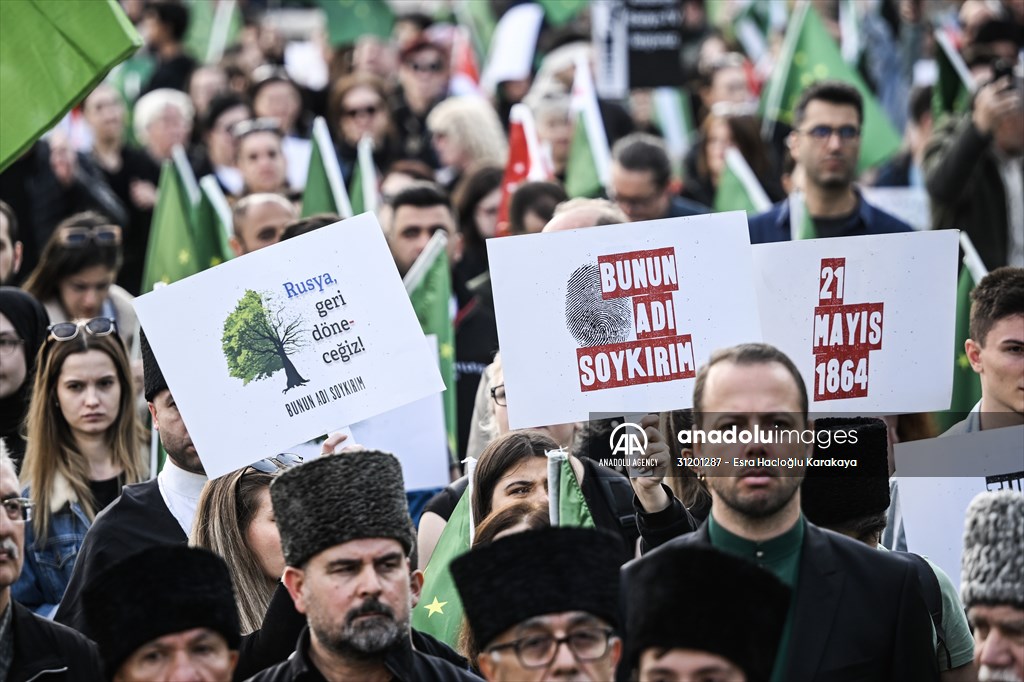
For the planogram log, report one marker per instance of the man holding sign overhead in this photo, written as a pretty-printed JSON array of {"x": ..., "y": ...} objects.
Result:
[{"x": 825, "y": 142}]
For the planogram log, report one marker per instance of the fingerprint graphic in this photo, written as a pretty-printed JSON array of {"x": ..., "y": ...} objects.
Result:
[{"x": 594, "y": 321}]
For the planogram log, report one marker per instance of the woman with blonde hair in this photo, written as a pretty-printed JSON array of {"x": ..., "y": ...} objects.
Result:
[
  {"x": 83, "y": 447},
  {"x": 466, "y": 132},
  {"x": 235, "y": 519}
]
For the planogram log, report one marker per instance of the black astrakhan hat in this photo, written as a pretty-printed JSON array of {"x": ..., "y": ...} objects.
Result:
[
  {"x": 693, "y": 597},
  {"x": 337, "y": 498},
  {"x": 158, "y": 591},
  {"x": 831, "y": 495},
  {"x": 538, "y": 572},
  {"x": 153, "y": 378}
]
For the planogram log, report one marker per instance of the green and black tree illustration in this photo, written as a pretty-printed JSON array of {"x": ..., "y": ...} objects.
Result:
[{"x": 257, "y": 341}]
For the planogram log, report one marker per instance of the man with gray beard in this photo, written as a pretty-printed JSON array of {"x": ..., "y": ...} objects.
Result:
[
  {"x": 347, "y": 539},
  {"x": 30, "y": 646}
]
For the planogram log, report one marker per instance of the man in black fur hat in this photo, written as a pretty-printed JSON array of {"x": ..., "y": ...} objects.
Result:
[
  {"x": 166, "y": 613},
  {"x": 543, "y": 604},
  {"x": 157, "y": 512},
  {"x": 347, "y": 538},
  {"x": 732, "y": 624}
]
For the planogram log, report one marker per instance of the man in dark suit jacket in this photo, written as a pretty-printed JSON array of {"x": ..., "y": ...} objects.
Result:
[
  {"x": 825, "y": 143},
  {"x": 856, "y": 613}
]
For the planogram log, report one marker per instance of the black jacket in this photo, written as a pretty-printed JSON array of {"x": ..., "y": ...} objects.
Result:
[
  {"x": 44, "y": 650},
  {"x": 858, "y": 615},
  {"x": 404, "y": 663},
  {"x": 138, "y": 519}
]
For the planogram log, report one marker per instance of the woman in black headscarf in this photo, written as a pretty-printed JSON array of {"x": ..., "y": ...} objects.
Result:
[{"x": 23, "y": 324}]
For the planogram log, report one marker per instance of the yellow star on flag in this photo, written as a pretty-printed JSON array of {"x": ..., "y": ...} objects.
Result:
[
  {"x": 435, "y": 607},
  {"x": 446, "y": 351},
  {"x": 962, "y": 361},
  {"x": 183, "y": 256}
]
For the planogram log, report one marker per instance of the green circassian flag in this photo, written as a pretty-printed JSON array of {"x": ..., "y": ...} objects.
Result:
[
  {"x": 213, "y": 26},
  {"x": 429, "y": 285},
  {"x": 810, "y": 54},
  {"x": 53, "y": 53},
  {"x": 966, "y": 382},
  {"x": 588, "y": 168},
  {"x": 952, "y": 90},
  {"x": 363, "y": 192},
  {"x": 325, "y": 188},
  {"x": 348, "y": 20},
  {"x": 191, "y": 221},
  {"x": 738, "y": 187},
  {"x": 439, "y": 612},
  {"x": 171, "y": 252}
]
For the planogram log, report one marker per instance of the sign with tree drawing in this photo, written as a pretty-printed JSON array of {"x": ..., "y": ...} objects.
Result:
[{"x": 288, "y": 343}]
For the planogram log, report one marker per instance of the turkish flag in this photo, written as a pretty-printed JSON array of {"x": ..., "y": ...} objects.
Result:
[{"x": 525, "y": 160}]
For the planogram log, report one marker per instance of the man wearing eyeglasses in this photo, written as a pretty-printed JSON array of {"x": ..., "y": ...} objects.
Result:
[
  {"x": 825, "y": 143},
  {"x": 542, "y": 604},
  {"x": 640, "y": 181},
  {"x": 32, "y": 647}
]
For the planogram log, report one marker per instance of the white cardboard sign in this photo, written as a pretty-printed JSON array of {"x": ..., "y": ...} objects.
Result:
[
  {"x": 618, "y": 318},
  {"x": 868, "y": 321},
  {"x": 289, "y": 342},
  {"x": 939, "y": 477}
]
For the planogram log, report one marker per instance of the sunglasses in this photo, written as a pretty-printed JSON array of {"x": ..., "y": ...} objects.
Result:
[
  {"x": 427, "y": 67},
  {"x": 255, "y": 125},
  {"x": 271, "y": 465},
  {"x": 97, "y": 326},
  {"x": 370, "y": 111},
  {"x": 104, "y": 235}
]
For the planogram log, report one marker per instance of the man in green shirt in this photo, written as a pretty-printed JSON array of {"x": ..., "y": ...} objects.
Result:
[{"x": 856, "y": 613}]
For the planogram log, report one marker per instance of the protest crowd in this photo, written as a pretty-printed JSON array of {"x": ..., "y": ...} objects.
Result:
[{"x": 492, "y": 141}]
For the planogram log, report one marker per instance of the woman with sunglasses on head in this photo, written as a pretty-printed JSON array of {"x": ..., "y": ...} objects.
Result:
[
  {"x": 234, "y": 518},
  {"x": 76, "y": 272},
  {"x": 83, "y": 447}
]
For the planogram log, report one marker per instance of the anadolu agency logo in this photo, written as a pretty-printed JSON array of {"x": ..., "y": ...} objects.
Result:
[{"x": 628, "y": 440}]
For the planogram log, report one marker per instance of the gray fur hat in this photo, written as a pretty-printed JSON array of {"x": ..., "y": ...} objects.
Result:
[
  {"x": 337, "y": 498},
  {"x": 992, "y": 564}
]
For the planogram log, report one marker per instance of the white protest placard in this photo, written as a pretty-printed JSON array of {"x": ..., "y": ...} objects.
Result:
[
  {"x": 618, "y": 318},
  {"x": 415, "y": 434},
  {"x": 938, "y": 478},
  {"x": 912, "y": 205},
  {"x": 867, "y": 320},
  {"x": 289, "y": 342}
]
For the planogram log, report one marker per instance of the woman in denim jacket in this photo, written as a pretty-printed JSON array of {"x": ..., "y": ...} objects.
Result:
[{"x": 83, "y": 446}]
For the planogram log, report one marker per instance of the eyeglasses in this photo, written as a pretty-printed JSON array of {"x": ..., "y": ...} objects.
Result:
[
  {"x": 18, "y": 508},
  {"x": 97, "y": 326},
  {"x": 823, "y": 133},
  {"x": 271, "y": 465},
  {"x": 538, "y": 651},
  {"x": 370, "y": 111},
  {"x": 255, "y": 125},
  {"x": 9, "y": 345},
  {"x": 427, "y": 67},
  {"x": 104, "y": 235},
  {"x": 498, "y": 395}
]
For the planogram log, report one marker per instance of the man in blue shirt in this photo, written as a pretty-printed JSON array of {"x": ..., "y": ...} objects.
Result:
[{"x": 825, "y": 143}]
